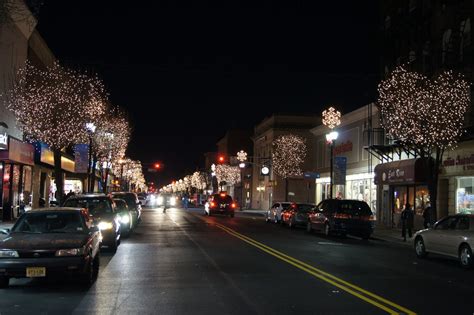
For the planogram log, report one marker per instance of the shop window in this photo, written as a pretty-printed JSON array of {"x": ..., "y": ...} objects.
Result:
[
  {"x": 465, "y": 195},
  {"x": 422, "y": 199},
  {"x": 399, "y": 198}
]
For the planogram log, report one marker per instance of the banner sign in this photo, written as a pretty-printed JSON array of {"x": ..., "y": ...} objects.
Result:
[
  {"x": 340, "y": 168},
  {"x": 81, "y": 158}
]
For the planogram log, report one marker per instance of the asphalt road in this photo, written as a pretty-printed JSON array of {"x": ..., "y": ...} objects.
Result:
[{"x": 182, "y": 262}]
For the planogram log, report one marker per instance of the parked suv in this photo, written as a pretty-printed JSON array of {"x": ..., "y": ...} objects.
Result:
[
  {"x": 104, "y": 215},
  {"x": 220, "y": 203},
  {"x": 342, "y": 217},
  {"x": 274, "y": 214}
]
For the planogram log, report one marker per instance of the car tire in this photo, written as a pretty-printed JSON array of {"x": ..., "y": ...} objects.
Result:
[
  {"x": 232, "y": 215},
  {"x": 309, "y": 229},
  {"x": 327, "y": 229},
  {"x": 465, "y": 256},
  {"x": 267, "y": 219},
  {"x": 275, "y": 220},
  {"x": 4, "y": 282},
  {"x": 420, "y": 249},
  {"x": 92, "y": 272}
]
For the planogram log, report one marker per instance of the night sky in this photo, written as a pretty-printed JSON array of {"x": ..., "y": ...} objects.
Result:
[{"x": 188, "y": 72}]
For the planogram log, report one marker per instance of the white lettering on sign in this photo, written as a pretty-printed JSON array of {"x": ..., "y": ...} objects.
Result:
[{"x": 4, "y": 138}]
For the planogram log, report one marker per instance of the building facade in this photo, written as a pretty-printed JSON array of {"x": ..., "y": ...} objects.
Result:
[{"x": 270, "y": 188}]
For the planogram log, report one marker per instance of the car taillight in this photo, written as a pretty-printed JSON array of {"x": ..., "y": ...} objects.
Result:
[
  {"x": 233, "y": 205},
  {"x": 213, "y": 204},
  {"x": 342, "y": 216}
]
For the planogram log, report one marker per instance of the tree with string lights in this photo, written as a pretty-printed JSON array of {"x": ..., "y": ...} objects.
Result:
[
  {"x": 227, "y": 174},
  {"x": 425, "y": 115},
  {"x": 288, "y": 156},
  {"x": 53, "y": 105}
]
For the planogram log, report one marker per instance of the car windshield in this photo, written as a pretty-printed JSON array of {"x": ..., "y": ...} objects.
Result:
[
  {"x": 130, "y": 199},
  {"x": 354, "y": 207},
  {"x": 50, "y": 222},
  {"x": 95, "y": 205}
]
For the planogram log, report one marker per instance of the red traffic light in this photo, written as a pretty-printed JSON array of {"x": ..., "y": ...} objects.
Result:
[
  {"x": 221, "y": 159},
  {"x": 157, "y": 165}
]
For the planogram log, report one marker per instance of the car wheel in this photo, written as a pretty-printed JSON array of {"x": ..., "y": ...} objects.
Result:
[
  {"x": 92, "y": 272},
  {"x": 4, "y": 282},
  {"x": 267, "y": 219},
  {"x": 309, "y": 229},
  {"x": 275, "y": 220},
  {"x": 420, "y": 248},
  {"x": 232, "y": 215},
  {"x": 465, "y": 256},
  {"x": 327, "y": 229}
]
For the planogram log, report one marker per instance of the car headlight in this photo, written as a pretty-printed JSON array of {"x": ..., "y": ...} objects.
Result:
[
  {"x": 105, "y": 226},
  {"x": 125, "y": 219},
  {"x": 172, "y": 201},
  {"x": 9, "y": 254},
  {"x": 70, "y": 252}
]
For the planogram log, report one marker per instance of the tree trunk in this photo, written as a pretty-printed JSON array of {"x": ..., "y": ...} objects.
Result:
[
  {"x": 433, "y": 183},
  {"x": 58, "y": 177},
  {"x": 92, "y": 182},
  {"x": 286, "y": 189},
  {"x": 106, "y": 180}
]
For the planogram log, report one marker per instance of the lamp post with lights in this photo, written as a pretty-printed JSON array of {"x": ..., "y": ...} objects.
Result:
[
  {"x": 242, "y": 157},
  {"x": 90, "y": 127},
  {"x": 331, "y": 119}
]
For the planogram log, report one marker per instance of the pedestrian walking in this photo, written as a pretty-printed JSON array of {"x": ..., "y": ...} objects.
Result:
[
  {"x": 408, "y": 218},
  {"x": 427, "y": 217}
]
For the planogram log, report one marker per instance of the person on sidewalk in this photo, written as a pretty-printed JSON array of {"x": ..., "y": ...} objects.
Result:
[
  {"x": 408, "y": 218},
  {"x": 427, "y": 216}
]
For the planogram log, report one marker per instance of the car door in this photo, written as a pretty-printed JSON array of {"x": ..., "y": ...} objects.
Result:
[
  {"x": 318, "y": 218},
  {"x": 443, "y": 235}
]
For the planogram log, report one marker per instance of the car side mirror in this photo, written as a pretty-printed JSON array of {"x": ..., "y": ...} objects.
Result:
[{"x": 5, "y": 231}]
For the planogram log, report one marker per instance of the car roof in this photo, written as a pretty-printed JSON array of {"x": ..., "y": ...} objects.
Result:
[
  {"x": 90, "y": 195},
  {"x": 56, "y": 209}
]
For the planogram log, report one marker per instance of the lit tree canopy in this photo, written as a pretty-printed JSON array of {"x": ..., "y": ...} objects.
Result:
[
  {"x": 424, "y": 112},
  {"x": 53, "y": 105},
  {"x": 289, "y": 153},
  {"x": 198, "y": 180},
  {"x": 228, "y": 174}
]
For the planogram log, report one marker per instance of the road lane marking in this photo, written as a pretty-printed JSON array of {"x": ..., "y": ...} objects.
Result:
[{"x": 350, "y": 288}]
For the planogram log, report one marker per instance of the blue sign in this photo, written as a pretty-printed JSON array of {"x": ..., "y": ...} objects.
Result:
[
  {"x": 311, "y": 175},
  {"x": 81, "y": 157},
  {"x": 340, "y": 168}
]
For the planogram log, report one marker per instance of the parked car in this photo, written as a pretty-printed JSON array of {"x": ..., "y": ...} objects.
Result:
[
  {"x": 134, "y": 205},
  {"x": 104, "y": 214},
  {"x": 342, "y": 216},
  {"x": 50, "y": 242},
  {"x": 126, "y": 216},
  {"x": 274, "y": 214},
  {"x": 452, "y": 236},
  {"x": 221, "y": 203},
  {"x": 296, "y": 214}
]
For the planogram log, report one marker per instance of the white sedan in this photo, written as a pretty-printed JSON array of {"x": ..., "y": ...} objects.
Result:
[{"x": 452, "y": 236}]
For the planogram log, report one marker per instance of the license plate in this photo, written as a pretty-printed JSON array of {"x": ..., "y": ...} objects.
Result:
[{"x": 35, "y": 272}]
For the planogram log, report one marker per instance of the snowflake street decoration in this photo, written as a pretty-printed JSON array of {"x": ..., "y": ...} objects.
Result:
[
  {"x": 331, "y": 117},
  {"x": 289, "y": 152},
  {"x": 242, "y": 156}
]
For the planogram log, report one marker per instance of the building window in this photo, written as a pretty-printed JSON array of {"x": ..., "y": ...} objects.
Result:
[{"x": 465, "y": 195}]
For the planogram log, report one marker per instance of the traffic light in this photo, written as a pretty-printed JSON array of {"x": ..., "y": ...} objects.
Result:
[
  {"x": 157, "y": 166},
  {"x": 221, "y": 159}
]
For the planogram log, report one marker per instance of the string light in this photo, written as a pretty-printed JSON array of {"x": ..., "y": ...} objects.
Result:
[
  {"x": 422, "y": 112},
  {"x": 289, "y": 152},
  {"x": 228, "y": 174},
  {"x": 331, "y": 117},
  {"x": 53, "y": 105},
  {"x": 198, "y": 181}
]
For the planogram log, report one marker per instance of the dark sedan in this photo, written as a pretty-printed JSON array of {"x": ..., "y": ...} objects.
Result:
[
  {"x": 50, "y": 242},
  {"x": 296, "y": 214}
]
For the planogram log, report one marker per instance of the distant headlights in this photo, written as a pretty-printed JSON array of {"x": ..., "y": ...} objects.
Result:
[
  {"x": 172, "y": 201},
  {"x": 159, "y": 200},
  {"x": 105, "y": 226},
  {"x": 70, "y": 252},
  {"x": 9, "y": 254}
]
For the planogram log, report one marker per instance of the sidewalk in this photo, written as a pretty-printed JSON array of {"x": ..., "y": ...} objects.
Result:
[{"x": 391, "y": 235}]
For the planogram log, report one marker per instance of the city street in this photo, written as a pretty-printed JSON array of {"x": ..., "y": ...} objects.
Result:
[{"x": 183, "y": 262}]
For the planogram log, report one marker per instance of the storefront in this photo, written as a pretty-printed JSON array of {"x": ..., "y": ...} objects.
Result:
[
  {"x": 16, "y": 169},
  {"x": 401, "y": 182}
]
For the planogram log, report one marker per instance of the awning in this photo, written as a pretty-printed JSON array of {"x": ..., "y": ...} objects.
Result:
[{"x": 410, "y": 171}]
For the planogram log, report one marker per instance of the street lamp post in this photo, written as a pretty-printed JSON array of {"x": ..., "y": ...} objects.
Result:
[
  {"x": 242, "y": 157},
  {"x": 90, "y": 127},
  {"x": 331, "y": 119}
]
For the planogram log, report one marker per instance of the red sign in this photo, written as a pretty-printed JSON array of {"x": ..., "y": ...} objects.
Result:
[
  {"x": 19, "y": 152},
  {"x": 343, "y": 148}
]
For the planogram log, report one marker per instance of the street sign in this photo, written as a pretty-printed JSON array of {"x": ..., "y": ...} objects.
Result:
[
  {"x": 340, "y": 168},
  {"x": 311, "y": 175}
]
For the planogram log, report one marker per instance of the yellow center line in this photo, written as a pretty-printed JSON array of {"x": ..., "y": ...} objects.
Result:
[{"x": 350, "y": 288}]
